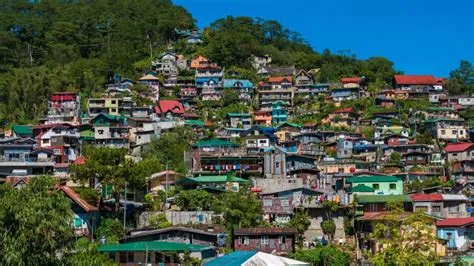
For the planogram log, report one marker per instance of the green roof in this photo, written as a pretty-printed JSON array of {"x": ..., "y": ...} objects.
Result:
[
  {"x": 383, "y": 198},
  {"x": 238, "y": 114},
  {"x": 441, "y": 119},
  {"x": 440, "y": 109},
  {"x": 372, "y": 179},
  {"x": 290, "y": 124},
  {"x": 211, "y": 179},
  {"x": 215, "y": 143},
  {"x": 152, "y": 246},
  {"x": 23, "y": 129},
  {"x": 199, "y": 123},
  {"x": 361, "y": 188}
]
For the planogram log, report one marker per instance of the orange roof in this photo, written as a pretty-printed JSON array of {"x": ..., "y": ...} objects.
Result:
[
  {"x": 458, "y": 147},
  {"x": 279, "y": 79},
  {"x": 80, "y": 161},
  {"x": 350, "y": 80}
]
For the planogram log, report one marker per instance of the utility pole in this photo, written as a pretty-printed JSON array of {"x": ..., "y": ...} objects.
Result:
[
  {"x": 166, "y": 184},
  {"x": 124, "y": 206}
]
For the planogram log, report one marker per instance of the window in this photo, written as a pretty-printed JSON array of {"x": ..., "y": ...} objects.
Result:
[
  {"x": 126, "y": 257},
  {"x": 112, "y": 256},
  {"x": 45, "y": 141},
  {"x": 244, "y": 240},
  {"x": 114, "y": 110},
  {"x": 101, "y": 131},
  {"x": 277, "y": 164},
  {"x": 455, "y": 132},
  {"x": 454, "y": 208},
  {"x": 455, "y": 154},
  {"x": 375, "y": 186},
  {"x": 114, "y": 102},
  {"x": 264, "y": 240},
  {"x": 393, "y": 186},
  {"x": 282, "y": 239},
  {"x": 267, "y": 202},
  {"x": 436, "y": 209},
  {"x": 422, "y": 208},
  {"x": 284, "y": 202},
  {"x": 443, "y": 132}
]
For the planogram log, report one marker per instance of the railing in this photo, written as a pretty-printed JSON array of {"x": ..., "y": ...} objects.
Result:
[
  {"x": 25, "y": 161},
  {"x": 210, "y": 74}
]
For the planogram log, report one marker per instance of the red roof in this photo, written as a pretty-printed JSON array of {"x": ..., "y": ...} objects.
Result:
[
  {"x": 344, "y": 110},
  {"x": 350, "y": 80},
  {"x": 458, "y": 147},
  {"x": 77, "y": 199},
  {"x": 173, "y": 106},
  {"x": 261, "y": 113},
  {"x": 455, "y": 222},
  {"x": 279, "y": 79},
  {"x": 63, "y": 96},
  {"x": 427, "y": 197},
  {"x": 440, "y": 80},
  {"x": 415, "y": 79}
]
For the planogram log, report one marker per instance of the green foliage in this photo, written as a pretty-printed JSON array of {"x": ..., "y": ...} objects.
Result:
[
  {"x": 323, "y": 256},
  {"x": 418, "y": 185},
  {"x": 461, "y": 80},
  {"x": 110, "y": 166},
  {"x": 195, "y": 200},
  {"x": 229, "y": 97},
  {"x": 111, "y": 228},
  {"x": 301, "y": 223},
  {"x": 240, "y": 210},
  {"x": 86, "y": 253},
  {"x": 233, "y": 107},
  {"x": 34, "y": 223},
  {"x": 159, "y": 221},
  {"x": 408, "y": 241},
  {"x": 329, "y": 228},
  {"x": 395, "y": 158},
  {"x": 49, "y": 46},
  {"x": 180, "y": 139},
  {"x": 88, "y": 194}
]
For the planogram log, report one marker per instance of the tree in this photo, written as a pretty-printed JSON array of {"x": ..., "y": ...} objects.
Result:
[
  {"x": 395, "y": 158},
  {"x": 85, "y": 253},
  {"x": 159, "y": 221},
  {"x": 327, "y": 225},
  {"x": 301, "y": 223},
  {"x": 34, "y": 223},
  {"x": 406, "y": 240},
  {"x": 461, "y": 80},
  {"x": 111, "y": 229},
  {"x": 323, "y": 256},
  {"x": 240, "y": 210},
  {"x": 229, "y": 97},
  {"x": 195, "y": 200}
]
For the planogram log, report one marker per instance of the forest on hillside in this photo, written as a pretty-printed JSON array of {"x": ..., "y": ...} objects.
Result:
[{"x": 49, "y": 46}]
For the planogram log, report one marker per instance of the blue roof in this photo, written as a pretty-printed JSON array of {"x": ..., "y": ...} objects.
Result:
[
  {"x": 340, "y": 93},
  {"x": 235, "y": 258},
  {"x": 231, "y": 83}
]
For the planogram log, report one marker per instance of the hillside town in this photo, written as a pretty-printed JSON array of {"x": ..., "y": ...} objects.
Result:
[
  {"x": 131, "y": 136},
  {"x": 356, "y": 160}
]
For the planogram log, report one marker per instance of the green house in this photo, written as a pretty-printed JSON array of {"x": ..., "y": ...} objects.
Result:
[{"x": 376, "y": 185}]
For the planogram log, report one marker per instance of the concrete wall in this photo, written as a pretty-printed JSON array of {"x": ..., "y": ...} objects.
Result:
[
  {"x": 181, "y": 217},
  {"x": 317, "y": 216}
]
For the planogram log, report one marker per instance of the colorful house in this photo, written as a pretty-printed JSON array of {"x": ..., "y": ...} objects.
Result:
[
  {"x": 63, "y": 107},
  {"x": 276, "y": 240},
  {"x": 381, "y": 185},
  {"x": 446, "y": 129},
  {"x": 263, "y": 118},
  {"x": 240, "y": 120},
  {"x": 209, "y": 82},
  {"x": 275, "y": 89},
  {"x": 243, "y": 87},
  {"x": 153, "y": 83},
  {"x": 199, "y": 61},
  {"x": 86, "y": 216},
  {"x": 458, "y": 232},
  {"x": 169, "y": 109},
  {"x": 279, "y": 112},
  {"x": 459, "y": 151},
  {"x": 110, "y": 131}
]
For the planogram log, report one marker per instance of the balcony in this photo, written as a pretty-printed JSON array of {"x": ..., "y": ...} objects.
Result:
[
  {"x": 209, "y": 74},
  {"x": 32, "y": 161}
]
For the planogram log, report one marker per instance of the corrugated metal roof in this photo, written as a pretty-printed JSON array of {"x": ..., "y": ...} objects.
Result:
[
  {"x": 361, "y": 188},
  {"x": 235, "y": 258},
  {"x": 372, "y": 179},
  {"x": 152, "y": 246},
  {"x": 456, "y": 197}
]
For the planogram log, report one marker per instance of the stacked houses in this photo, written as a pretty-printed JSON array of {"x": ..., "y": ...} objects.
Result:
[{"x": 290, "y": 166}]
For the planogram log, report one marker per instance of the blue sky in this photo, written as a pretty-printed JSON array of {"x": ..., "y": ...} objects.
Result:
[{"x": 420, "y": 37}]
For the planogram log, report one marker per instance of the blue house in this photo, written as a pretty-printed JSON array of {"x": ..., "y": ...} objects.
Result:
[
  {"x": 243, "y": 87},
  {"x": 86, "y": 216},
  {"x": 279, "y": 112},
  {"x": 458, "y": 232}
]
